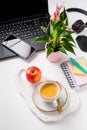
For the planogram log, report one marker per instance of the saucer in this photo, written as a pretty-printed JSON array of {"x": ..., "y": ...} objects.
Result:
[{"x": 49, "y": 107}]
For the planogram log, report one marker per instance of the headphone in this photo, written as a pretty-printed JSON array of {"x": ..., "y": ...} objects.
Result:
[{"x": 79, "y": 26}]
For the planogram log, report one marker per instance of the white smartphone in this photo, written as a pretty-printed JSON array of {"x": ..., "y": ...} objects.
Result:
[{"x": 19, "y": 47}]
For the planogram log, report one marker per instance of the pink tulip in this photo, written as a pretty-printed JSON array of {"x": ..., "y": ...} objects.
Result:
[{"x": 55, "y": 15}]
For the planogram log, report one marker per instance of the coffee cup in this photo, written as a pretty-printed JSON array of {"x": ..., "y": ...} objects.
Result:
[{"x": 49, "y": 91}]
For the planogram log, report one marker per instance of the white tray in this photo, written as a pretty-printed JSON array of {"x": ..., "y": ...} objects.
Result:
[{"x": 29, "y": 92}]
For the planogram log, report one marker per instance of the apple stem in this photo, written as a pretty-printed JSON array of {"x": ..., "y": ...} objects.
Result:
[{"x": 33, "y": 71}]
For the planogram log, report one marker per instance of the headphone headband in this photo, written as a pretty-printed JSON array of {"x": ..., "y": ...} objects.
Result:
[
  {"x": 78, "y": 26},
  {"x": 77, "y": 10}
]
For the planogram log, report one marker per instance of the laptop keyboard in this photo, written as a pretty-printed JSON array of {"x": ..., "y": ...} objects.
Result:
[{"x": 26, "y": 28}]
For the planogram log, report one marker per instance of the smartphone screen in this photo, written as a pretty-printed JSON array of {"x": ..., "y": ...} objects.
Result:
[
  {"x": 5, "y": 53},
  {"x": 19, "y": 47}
]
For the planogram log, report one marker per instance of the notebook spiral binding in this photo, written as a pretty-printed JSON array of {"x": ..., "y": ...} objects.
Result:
[{"x": 68, "y": 75}]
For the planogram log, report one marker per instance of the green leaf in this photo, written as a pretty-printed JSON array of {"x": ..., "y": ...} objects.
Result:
[
  {"x": 49, "y": 51},
  {"x": 64, "y": 17},
  {"x": 41, "y": 39},
  {"x": 70, "y": 38},
  {"x": 69, "y": 48},
  {"x": 51, "y": 28},
  {"x": 58, "y": 24},
  {"x": 62, "y": 49},
  {"x": 58, "y": 32},
  {"x": 44, "y": 29},
  {"x": 66, "y": 42}
]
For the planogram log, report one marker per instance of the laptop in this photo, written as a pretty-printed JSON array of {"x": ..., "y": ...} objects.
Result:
[{"x": 24, "y": 20}]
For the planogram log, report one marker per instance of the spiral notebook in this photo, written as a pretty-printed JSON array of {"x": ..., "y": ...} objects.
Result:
[{"x": 74, "y": 80}]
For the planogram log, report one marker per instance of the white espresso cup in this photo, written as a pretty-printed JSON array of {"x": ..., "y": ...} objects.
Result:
[{"x": 49, "y": 91}]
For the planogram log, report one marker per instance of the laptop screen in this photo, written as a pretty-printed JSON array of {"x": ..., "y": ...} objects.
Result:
[{"x": 14, "y": 9}]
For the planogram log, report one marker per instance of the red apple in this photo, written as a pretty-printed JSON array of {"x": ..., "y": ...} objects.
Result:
[{"x": 33, "y": 74}]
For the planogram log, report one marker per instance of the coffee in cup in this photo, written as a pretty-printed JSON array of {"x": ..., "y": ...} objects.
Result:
[{"x": 49, "y": 91}]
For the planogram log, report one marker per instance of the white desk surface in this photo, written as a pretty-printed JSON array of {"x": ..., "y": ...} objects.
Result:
[{"x": 14, "y": 112}]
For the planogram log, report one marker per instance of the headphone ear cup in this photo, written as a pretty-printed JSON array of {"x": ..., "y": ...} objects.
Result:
[
  {"x": 82, "y": 42},
  {"x": 78, "y": 26}
]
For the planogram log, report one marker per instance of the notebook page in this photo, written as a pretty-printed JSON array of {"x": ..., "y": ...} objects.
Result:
[{"x": 80, "y": 79}]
